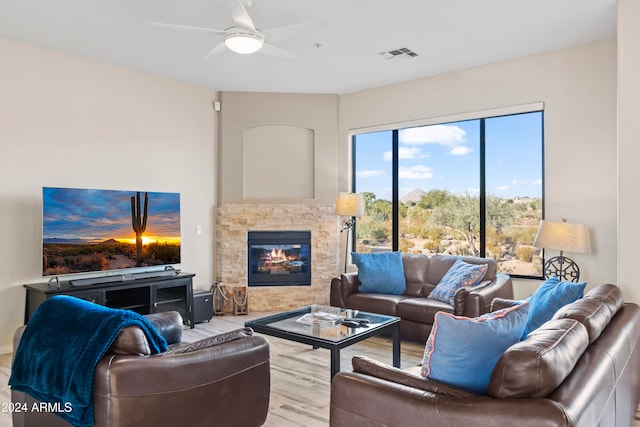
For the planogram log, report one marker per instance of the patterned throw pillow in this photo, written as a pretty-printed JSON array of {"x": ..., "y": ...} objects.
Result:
[
  {"x": 463, "y": 351},
  {"x": 460, "y": 274}
]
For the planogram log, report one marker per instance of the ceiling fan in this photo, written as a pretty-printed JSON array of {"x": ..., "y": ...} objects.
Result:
[{"x": 244, "y": 37}]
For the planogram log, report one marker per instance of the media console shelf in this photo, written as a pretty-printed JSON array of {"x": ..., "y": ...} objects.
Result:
[{"x": 145, "y": 294}]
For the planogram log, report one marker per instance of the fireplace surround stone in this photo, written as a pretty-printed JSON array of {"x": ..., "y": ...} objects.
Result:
[{"x": 233, "y": 223}]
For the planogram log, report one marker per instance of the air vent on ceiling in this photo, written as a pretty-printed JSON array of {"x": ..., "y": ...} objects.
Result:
[{"x": 401, "y": 52}]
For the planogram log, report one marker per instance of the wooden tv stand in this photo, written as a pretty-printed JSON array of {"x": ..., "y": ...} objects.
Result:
[{"x": 143, "y": 294}]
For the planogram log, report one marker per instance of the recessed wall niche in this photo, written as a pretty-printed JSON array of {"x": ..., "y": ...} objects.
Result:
[{"x": 279, "y": 162}]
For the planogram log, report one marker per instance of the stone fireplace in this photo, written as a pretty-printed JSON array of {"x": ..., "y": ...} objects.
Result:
[{"x": 234, "y": 222}]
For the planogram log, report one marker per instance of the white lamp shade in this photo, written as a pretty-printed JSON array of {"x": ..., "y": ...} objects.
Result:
[
  {"x": 244, "y": 43},
  {"x": 349, "y": 204},
  {"x": 563, "y": 236}
]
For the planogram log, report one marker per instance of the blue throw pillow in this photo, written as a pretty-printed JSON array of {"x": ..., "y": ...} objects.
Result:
[
  {"x": 460, "y": 274},
  {"x": 550, "y": 297},
  {"x": 381, "y": 273},
  {"x": 463, "y": 351}
]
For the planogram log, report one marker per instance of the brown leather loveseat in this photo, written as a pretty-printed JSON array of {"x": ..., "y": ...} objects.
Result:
[
  {"x": 581, "y": 368},
  {"x": 417, "y": 311},
  {"x": 223, "y": 380}
]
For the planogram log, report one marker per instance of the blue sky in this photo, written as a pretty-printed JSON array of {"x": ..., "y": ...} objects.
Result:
[
  {"x": 446, "y": 157},
  {"x": 97, "y": 215}
]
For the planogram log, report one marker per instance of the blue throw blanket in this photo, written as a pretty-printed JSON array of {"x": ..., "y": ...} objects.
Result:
[{"x": 61, "y": 345}]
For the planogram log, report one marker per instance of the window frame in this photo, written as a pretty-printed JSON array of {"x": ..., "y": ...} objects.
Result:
[{"x": 482, "y": 117}]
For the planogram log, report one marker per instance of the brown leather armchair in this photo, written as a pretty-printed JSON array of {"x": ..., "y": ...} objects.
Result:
[{"x": 222, "y": 380}]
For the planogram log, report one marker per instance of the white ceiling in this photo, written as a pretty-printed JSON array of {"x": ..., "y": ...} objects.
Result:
[{"x": 447, "y": 35}]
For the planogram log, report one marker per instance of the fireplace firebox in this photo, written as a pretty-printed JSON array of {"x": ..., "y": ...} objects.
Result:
[{"x": 279, "y": 258}]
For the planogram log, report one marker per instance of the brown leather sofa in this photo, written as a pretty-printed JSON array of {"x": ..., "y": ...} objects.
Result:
[
  {"x": 222, "y": 380},
  {"x": 422, "y": 274},
  {"x": 582, "y": 368}
]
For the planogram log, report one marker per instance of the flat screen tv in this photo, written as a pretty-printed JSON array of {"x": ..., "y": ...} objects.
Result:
[{"x": 90, "y": 231}]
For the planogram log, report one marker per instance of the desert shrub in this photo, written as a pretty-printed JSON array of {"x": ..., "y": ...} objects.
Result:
[
  {"x": 405, "y": 245},
  {"x": 431, "y": 245},
  {"x": 525, "y": 253},
  {"x": 369, "y": 228}
]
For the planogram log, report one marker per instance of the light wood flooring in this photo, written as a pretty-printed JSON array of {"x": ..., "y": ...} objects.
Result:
[{"x": 300, "y": 384}]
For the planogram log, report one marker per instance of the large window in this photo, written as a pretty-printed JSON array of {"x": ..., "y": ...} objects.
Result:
[{"x": 471, "y": 187}]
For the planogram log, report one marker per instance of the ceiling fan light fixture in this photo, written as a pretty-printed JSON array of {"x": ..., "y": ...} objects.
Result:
[{"x": 244, "y": 43}]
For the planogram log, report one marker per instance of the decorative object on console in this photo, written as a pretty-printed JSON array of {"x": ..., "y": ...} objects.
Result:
[
  {"x": 349, "y": 205},
  {"x": 562, "y": 236}
]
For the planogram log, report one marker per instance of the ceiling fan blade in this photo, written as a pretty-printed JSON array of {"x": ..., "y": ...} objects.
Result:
[
  {"x": 291, "y": 31},
  {"x": 216, "y": 50},
  {"x": 240, "y": 15},
  {"x": 271, "y": 50},
  {"x": 187, "y": 28}
]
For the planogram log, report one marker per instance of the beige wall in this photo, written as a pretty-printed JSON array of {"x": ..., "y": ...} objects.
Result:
[
  {"x": 318, "y": 114},
  {"x": 66, "y": 121},
  {"x": 72, "y": 122},
  {"x": 628, "y": 146},
  {"x": 578, "y": 88}
]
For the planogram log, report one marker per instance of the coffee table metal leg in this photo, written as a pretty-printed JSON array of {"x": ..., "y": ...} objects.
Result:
[
  {"x": 335, "y": 361},
  {"x": 395, "y": 335}
]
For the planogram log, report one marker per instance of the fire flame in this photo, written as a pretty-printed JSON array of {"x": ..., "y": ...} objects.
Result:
[{"x": 278, "y": 255}]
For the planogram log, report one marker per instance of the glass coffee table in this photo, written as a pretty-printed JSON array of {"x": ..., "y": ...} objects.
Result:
[{"x": 321, "y": 327}]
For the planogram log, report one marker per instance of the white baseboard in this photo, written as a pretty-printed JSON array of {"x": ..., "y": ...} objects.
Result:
[{"x": 4, "y": 349}]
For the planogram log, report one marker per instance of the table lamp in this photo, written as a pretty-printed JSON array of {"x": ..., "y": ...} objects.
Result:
[{"x": 562, "y": 236}]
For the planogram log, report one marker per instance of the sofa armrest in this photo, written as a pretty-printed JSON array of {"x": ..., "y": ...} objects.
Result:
[
  {"x": 341, "y": 287},
  {"x": 360, "y": 399},
  {"x": 478, "y": 300}
]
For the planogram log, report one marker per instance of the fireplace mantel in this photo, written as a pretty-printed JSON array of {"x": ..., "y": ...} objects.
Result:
[{"x": 233, "y": 223}]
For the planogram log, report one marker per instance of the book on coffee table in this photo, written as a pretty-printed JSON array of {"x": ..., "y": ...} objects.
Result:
[{"x": 322, "y": 318}]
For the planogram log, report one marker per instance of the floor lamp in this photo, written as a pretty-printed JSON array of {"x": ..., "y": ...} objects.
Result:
[
  {"x": 350, "y": 206},
  {"x": 562, "y": 236}
]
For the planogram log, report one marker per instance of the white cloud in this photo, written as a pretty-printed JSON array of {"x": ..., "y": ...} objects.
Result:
[
  {"x": 447, "y": 135},
  {"x": 502, "y": 187},
  {"x": 405, "y": 153},
  {"x": 537, "y": 182},
  {"x": 415, "y": 172},
  {"x": 460, "y": 150},
  {"x": 369, "y": 173},
  {"x": 410, "y": 153}
]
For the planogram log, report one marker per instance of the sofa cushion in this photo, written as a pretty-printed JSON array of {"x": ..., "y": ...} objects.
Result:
[
  {"x": 592, "y": 313},
  {"x": 609, "y": 294},
  {"x": 416, "y": 267},
  {"x": 422, "y": 310},
  {"x": 380, "y": 273},
  {"x": 375, "y": 303},
  {"x": 367, "y": 366},
  {"x": 452, "y": 354},
  {"x": 461, "y": 274},
  {"x": 549, "y": 298},
  {"x": 536, "y": 366},
  {"x": 211, "y": 341}
]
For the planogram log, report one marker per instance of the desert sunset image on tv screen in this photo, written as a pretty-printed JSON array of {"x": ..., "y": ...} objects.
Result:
[{"x": 98, "y": 230}]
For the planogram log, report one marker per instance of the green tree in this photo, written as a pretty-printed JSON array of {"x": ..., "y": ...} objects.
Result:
[{"x": 434, "y": 199}]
